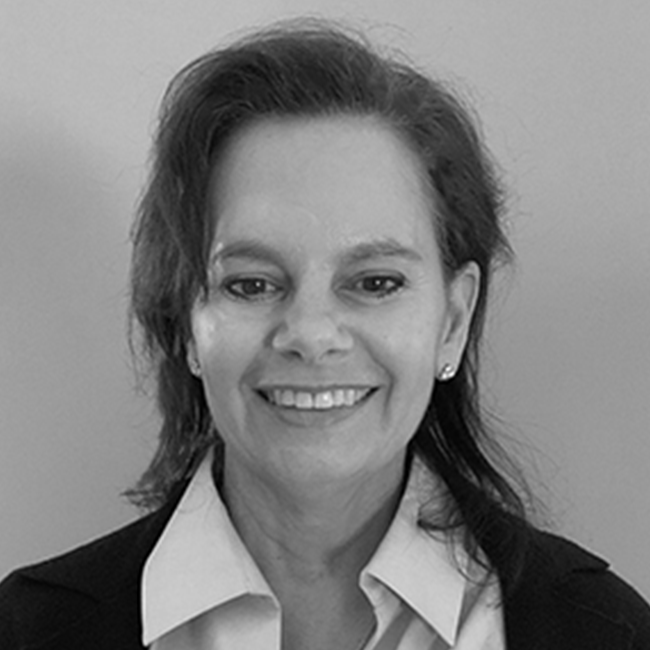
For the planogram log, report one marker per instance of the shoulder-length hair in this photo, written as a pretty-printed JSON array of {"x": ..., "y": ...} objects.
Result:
[{"x": 318, "y": 69}]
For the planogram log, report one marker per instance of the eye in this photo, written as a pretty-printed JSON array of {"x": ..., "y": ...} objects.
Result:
[
  {"x": 253, "y": 289},
  {"x": 378, "y": 285}
]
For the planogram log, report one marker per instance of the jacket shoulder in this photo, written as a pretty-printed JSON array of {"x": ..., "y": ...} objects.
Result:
[
  {"x": 575, "y": 598},
  {"x": 91, "y": 564},
  {"x": 604, "y": 594},
  {"x": 38, "y": 601}
]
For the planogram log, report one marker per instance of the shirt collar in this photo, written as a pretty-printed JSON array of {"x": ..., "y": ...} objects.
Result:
[
  {"x": 198, "y": 543},
  {"x": 423, "y": 569}
]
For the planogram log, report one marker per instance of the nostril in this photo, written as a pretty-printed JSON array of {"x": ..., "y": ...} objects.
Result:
[{"x": 313, "y": 339}]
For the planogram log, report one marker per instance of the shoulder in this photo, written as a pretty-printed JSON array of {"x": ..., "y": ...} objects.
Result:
[
  {"x": 568, "y": 594},
  {"x": 38, "y": 601}
]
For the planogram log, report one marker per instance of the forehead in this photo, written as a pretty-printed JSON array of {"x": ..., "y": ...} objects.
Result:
[{"x": 340, "y": 179}]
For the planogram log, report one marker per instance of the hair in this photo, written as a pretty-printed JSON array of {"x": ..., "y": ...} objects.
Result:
[{"x": 316, "y": 69}]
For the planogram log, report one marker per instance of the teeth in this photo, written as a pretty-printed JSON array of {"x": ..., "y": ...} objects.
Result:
[
  {"x": 304, "y": 401},
  {"x": 322, "y": 400}
]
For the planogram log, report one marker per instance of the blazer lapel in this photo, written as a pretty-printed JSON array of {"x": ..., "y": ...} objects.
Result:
[{"x": 98, "y": 588}]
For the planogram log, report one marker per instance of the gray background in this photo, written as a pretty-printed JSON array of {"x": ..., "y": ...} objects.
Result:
[{"x": 563, "y": 90}]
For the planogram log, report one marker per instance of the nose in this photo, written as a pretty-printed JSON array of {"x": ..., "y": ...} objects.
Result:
[{"x": 311, "y": 330}]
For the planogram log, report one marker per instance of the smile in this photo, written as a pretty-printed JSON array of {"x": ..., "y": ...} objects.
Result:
[{"x": 321, "y": 400}]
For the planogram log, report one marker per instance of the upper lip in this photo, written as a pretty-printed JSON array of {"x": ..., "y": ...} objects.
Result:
[{"x": 314, "y": 388}]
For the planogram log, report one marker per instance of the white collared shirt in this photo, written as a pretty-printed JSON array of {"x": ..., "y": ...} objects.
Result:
[{"x": 201, "y": 589}]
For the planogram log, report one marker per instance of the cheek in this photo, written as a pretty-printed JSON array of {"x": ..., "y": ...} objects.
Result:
[
  {"x": 224, "y": 347},
  {"x": 415, "y": 363},
  {"x": 209, "y": 334},
  {"x": 409, "y": 341},
  {"x": 406, "y": 347}
]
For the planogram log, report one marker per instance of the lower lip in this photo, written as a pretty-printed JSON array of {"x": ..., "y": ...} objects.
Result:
[{"x": 314, "y": 417}]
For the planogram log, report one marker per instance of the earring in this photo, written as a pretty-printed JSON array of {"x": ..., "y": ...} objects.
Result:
[{"x": 447, "y": 372}]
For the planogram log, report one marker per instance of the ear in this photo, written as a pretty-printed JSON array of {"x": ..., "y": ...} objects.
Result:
[
  {"x": 462, "y": 295},
  {"x": 193, "y": 358}
]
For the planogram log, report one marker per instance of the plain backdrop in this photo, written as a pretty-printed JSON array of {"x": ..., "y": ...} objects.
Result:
[{"x": 563, "y": 91}]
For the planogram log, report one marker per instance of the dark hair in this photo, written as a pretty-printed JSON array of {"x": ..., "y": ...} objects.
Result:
[{"x": 317, "y": 69}]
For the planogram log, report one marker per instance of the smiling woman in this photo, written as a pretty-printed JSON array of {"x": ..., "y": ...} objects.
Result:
[
  {"x": 318, "y": 295},
  {"x": 312, "y": 259}
]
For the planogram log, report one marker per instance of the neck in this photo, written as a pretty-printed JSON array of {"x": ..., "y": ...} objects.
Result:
[
  {"x": 311, "y": 542},
  {"x": 311, "y": 533}
]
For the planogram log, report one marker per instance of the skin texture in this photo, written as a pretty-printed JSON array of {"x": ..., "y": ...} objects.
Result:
[{"x": 325, "y": 276}]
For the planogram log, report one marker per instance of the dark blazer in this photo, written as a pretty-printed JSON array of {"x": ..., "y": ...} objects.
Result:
[{"x": 90, "y": 598}]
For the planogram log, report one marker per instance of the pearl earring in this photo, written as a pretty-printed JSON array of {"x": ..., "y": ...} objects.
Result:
[{"x": 447, "y": 372}]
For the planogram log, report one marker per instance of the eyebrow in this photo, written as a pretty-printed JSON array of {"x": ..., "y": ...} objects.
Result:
[
  {"x": 247, "y": 249},
  {"x": 380, "y": 248},
  {"x": 257, "y": 251}
]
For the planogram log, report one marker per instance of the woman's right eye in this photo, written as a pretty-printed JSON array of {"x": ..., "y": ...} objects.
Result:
[{"x": 251, "y": 289}]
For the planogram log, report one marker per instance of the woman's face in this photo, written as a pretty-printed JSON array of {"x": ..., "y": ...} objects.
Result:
[{"x": 327, "y": 316}]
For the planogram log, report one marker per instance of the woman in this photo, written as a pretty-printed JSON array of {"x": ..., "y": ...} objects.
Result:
[{"x": 312, "y": 260}]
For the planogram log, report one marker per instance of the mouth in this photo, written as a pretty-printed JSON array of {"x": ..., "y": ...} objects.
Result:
[{"x": 316, "y": 400}]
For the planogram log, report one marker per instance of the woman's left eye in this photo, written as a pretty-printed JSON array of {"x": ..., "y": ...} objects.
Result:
[{"x": 378, "y": 285}]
